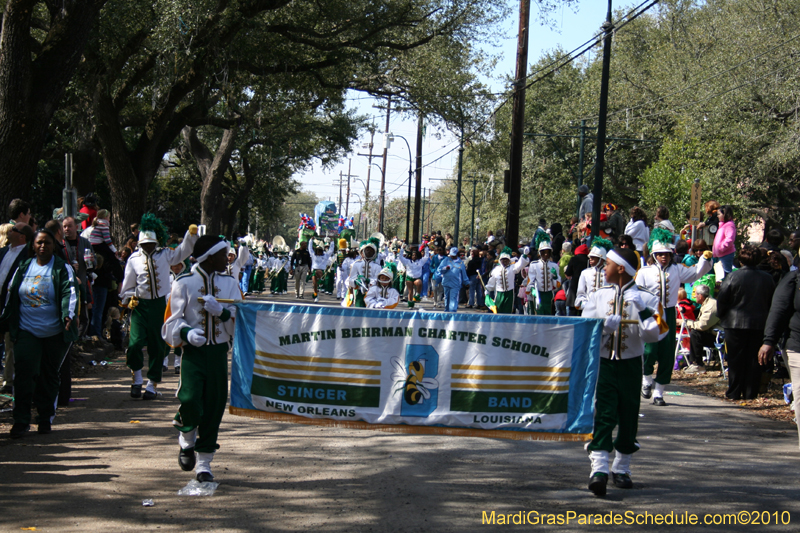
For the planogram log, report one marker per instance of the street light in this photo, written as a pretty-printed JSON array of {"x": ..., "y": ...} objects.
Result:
[
  {"x": 408, "y": 201},
  {"x": 361, "y": 208}
]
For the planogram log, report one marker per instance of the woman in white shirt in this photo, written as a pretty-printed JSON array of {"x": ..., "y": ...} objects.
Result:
[{"x": 637, "y": 228}]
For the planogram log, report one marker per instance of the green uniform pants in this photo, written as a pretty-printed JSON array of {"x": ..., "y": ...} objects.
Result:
[
  {"x": 36, "y": 378},
  {"x": 203, "y": 393},
  {"x": 545, "y": 307},
  {"x": 330, "y": 281},
  {"x": 258, "y": 281},
  {"x": 662, "y": 352},
  {"x": 617, "y": 404},
  {"x": 146, "y": 321},
  {"x": 283, "y": 281},
  {"x": 359, "y": 299},
  {"x": 274, "y": 283},
  {"x": 504, "y": 302}
]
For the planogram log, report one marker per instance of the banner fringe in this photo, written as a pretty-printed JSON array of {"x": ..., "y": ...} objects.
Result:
[{"x": 413, "y": 430}]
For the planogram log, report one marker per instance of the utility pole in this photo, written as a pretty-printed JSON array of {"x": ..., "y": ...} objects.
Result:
[
  {"x": 458, "y": 185},
  {"x": 383, "y": 173},
  {"x": 472, "y": 227},
  {"x": 518, "y": 126},
  {"x": 347, "y": 199},
  {"x": 341, "y": 180},
  {"x": 418, "y": 189},
  {"x": 422, "y": 218},
  {"x": 608, "y": 28}
]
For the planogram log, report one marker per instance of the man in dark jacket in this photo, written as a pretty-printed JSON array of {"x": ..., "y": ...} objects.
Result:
[
  {"x": 614, "y": 225},
  {"x": 784, "y": 315},
  {"x": 301, "y": 263},
  {"x": 10, "y": 258}
]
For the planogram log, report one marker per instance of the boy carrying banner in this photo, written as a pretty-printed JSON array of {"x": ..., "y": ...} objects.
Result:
[
  {"x": 204, "y": 329},
  {"x": 364, "y": 271},
  {"x": 501, "y": 280},
  {"x": 382, "y": 295},
  {"x": 632, "y": 318}
]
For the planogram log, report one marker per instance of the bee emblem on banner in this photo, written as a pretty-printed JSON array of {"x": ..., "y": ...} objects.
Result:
[{"x": 415, "y": 378}]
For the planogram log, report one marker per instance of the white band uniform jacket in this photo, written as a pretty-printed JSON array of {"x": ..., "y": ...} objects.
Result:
[
  {"x": 369, "y": 270},
  {"x": 382, "y": 297},
  {"x": 148, "y": 276},
  {"x": 414, "y": 268},
  {"x": 541, "y": 277},
  {"x": 276, "y": 264},
  {"x": 665, "y": 283},
  {"x": 628, "y": 340},
  {"x": 186, "y": 311},
  {"x": 501, "y": 278},
  {"x": 591, "y": 279},
  {"x": 321, "y": 262}
]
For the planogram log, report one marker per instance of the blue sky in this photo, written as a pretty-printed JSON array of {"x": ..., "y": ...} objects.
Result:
[{"x": 571, "y": 27}]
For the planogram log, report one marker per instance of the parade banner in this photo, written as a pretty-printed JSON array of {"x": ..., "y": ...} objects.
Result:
[{"x": 506, "y": 376}]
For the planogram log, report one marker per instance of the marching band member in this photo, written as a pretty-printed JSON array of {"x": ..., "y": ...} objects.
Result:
[
  {"x": 544, "y": 275},
  {"x": 144, "y": 290},
  {"x": 319, "y": 264},
  {"x": 364, "y": 271},
  {"x": 501, "y": 280},
  {"x": 236, "y": 260},
  {"x": 347, "y": 264},
  {"x": 452, "y": 274},
  {"x": 594, "y": 277},
  {"x": 664, "y": 278},
  {"x": 633, "y": 317},
  {"x": 341, "y": 277},
  {"x": 205, "y": 330},
  {"x": 381, "y": 295}
]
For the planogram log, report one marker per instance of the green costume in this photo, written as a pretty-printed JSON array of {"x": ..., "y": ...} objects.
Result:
[
  {"x": 146, "y": 321},
  {"x": 203, "y": 392},
  {"x": 662, "y": 352},
  {"x": 545, "y": 307},
  {"x": 504, "y": 302},
  {"x": 617, "y": 404}
]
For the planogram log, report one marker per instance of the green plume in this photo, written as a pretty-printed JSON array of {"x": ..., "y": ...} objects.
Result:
[
  {"x": 539, "y": 238},
  {"x": 602, "y": 243},
  {"x": 150, "y": 222},
  {"x": 506, "y": 250},
  {"x": 661, "y": 235}
]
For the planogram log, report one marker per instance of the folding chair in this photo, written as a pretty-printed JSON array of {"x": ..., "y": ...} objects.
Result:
[
  {"x": 683, "y": 333},
  {"x": 719, "y": 344}
]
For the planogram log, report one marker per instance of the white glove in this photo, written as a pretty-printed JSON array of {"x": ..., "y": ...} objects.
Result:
[
  {"x": 637, "y": 303},
  {"x": 526, "y": 250},
  {"x": 196, "y": 337},
  {"x": 211, "y": 305},
  {"x": 611, "y": 324}
]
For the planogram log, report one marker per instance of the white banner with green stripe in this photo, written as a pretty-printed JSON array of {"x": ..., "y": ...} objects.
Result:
[{"x": 519, "y": 377}]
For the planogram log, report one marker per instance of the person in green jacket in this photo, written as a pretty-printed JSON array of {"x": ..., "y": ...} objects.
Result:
[{"x": 40, "y": 317}]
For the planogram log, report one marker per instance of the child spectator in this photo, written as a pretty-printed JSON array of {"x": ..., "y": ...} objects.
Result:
[{"x": 101, "y": 232}]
